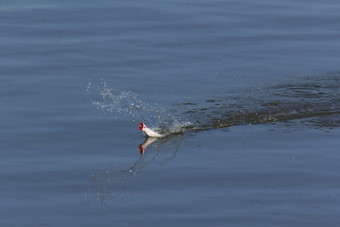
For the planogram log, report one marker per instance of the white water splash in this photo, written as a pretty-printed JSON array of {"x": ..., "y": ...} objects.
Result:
[{"x": 114, "y": 100}]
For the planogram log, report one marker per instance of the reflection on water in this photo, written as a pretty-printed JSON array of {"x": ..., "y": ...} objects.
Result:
[
  {"x": 148, "y": 141},
  {"x": 152, "y": 153}
]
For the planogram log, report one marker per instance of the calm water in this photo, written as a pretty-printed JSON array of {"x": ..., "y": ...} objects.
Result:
[{"x": 249, "y": 92}]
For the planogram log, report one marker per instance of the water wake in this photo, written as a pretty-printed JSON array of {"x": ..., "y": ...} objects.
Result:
[{"x": 314, "y": 101}]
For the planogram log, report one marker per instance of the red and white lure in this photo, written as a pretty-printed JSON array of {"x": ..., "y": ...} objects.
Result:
[{"x": 149, "y": 132}]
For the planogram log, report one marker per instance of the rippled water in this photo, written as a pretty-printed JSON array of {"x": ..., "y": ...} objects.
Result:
[{"x": 248, "y": 92}]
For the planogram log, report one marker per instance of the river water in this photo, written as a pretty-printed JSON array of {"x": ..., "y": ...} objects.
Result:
[{"x": 247, "y": 92}]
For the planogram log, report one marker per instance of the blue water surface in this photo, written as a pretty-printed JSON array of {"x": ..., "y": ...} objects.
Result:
[{"x": 260, "y": 77}]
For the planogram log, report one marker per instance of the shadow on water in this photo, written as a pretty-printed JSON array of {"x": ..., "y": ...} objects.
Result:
[{"x": 153, "y": 153}]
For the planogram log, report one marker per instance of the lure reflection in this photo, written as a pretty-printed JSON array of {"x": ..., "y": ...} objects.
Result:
[
  {"x": 146, "y": 143},
  {"x": 111, "y": 182}
]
